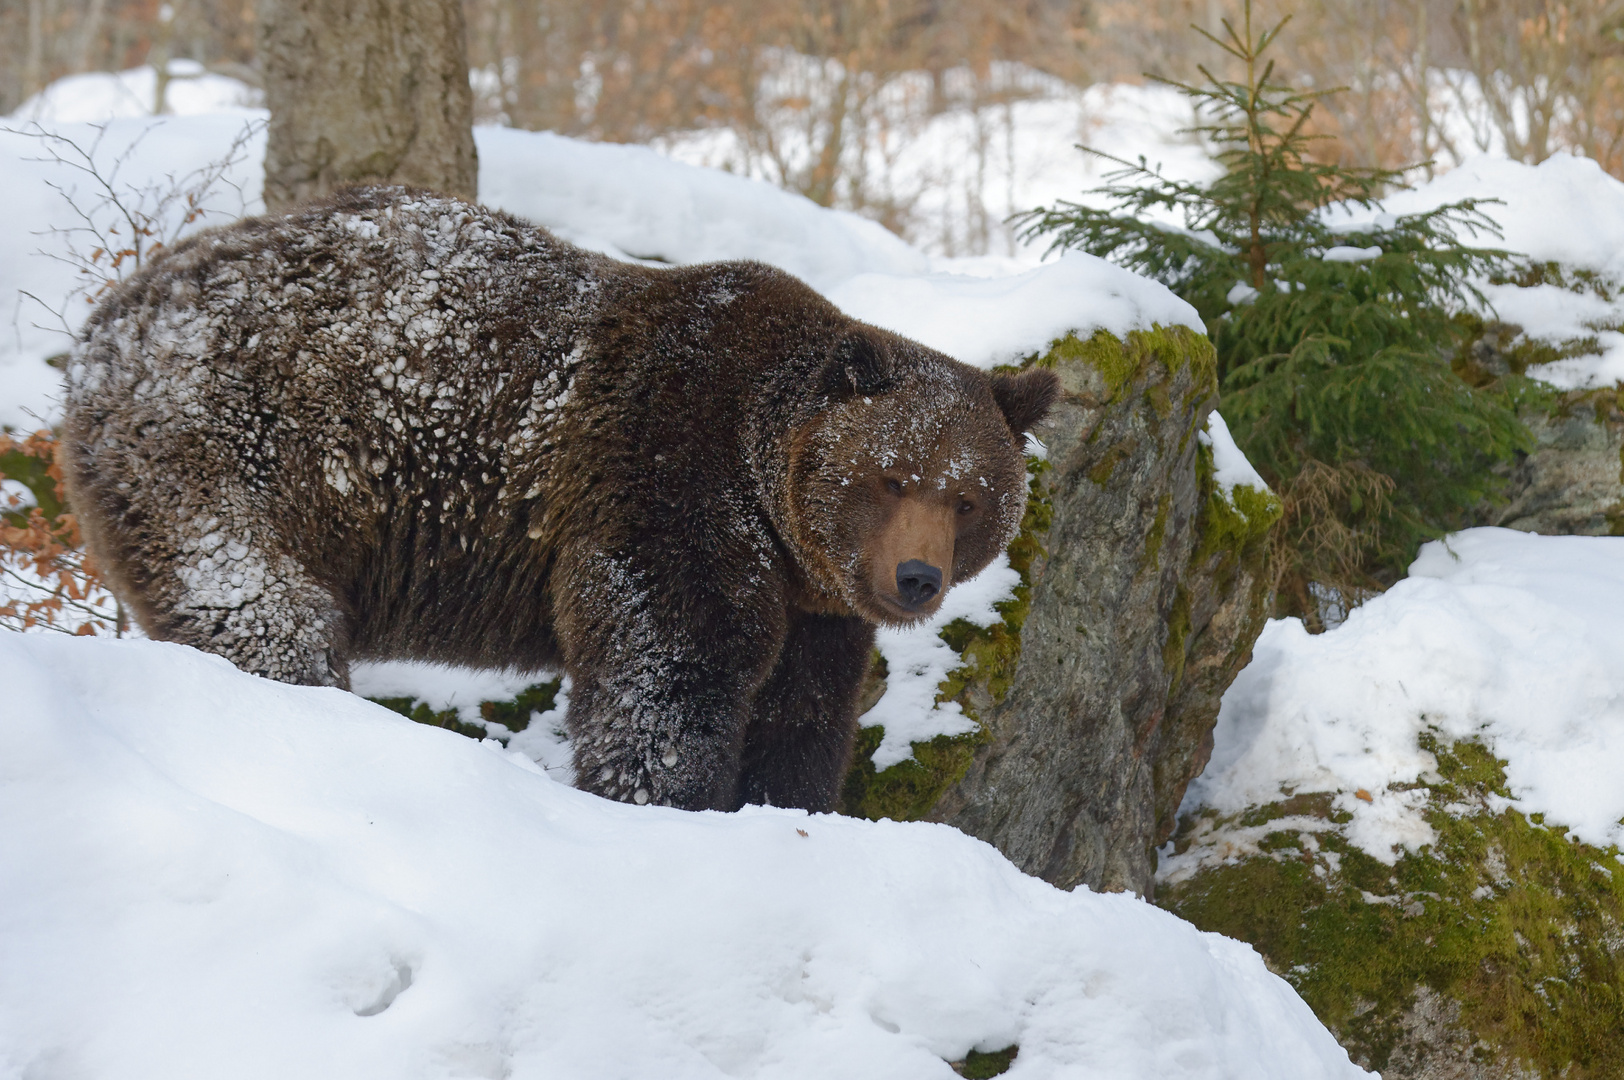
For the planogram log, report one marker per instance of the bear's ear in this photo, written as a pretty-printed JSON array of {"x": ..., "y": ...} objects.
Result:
[
  {"x": 858, "y": 364},
  {"x": 1026, "y": 398}
]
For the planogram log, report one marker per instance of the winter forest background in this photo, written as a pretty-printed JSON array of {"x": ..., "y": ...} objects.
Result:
[
  {"x": 1339, "y": 478},
  {"x": 851, "y": 103}
]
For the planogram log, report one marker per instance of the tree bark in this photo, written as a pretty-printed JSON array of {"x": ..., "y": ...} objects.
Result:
[{"x": 365, "y": 91}]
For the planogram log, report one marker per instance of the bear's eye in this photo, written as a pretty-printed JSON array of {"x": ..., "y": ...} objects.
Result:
[
  {"x": 966, "y": 506},
  {"x": 894, "y": 486}
]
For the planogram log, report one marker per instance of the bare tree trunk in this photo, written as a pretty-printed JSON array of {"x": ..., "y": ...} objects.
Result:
[
  {"x": 365, "y": 91},
  {"x": 90, "y": 35},
  {"x": 34, "y": 64}
]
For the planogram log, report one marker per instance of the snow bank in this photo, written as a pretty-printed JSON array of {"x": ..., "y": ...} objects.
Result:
[
  {"x": 1564, "y": 210},
  {"x": 209, "y": 874},
  {"x": 1505, "y": 637},
  {"x": 631, "y": 201},
  {"x": 102, "y": 95},
  {"x": 987, "y": 321}
]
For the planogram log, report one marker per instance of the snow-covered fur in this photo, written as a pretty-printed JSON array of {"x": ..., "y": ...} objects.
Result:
[{"x": 397, "y": 425}]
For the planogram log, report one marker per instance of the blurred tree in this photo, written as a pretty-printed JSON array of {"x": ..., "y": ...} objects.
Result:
[{"x": 373, "y": 90}]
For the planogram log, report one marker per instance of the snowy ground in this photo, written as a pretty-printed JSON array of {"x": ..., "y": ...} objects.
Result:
[
  {"x": 208, "y": 874},
  {"x": 1502, "y": 637}
]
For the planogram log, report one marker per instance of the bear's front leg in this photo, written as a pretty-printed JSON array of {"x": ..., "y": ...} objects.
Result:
[
  {"x": 664, "y": 661},
  {"x": 799, "y": 743}
]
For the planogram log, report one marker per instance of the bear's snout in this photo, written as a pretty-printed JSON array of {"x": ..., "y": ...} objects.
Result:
[{"x": 918, "y": 582}]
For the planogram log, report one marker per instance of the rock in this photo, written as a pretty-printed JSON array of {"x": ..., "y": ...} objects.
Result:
[
  {"x": 1572, "y": 482},
  {"x": 1144, "y": 589},
  {"x": 1494, "y": 952}
]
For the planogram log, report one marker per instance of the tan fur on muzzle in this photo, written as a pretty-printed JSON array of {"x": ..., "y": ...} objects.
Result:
[{"x": 922, "y": 528}]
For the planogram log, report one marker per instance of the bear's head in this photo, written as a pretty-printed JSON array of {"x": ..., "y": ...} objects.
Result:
[{"x": 913, "y": 477}]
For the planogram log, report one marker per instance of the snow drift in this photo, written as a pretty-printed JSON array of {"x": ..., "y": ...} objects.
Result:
[
  {"x": 1503, "y": 637},
  {"x": 207, "y": 874}
]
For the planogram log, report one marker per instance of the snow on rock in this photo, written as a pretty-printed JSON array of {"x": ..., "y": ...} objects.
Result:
[
  {"x": 1508, "y": 638},
  {"x": 1556, "y": 316},
  {"x": 917, "y": 660},
  {"x": 210, "y": 874},
  {"x": 1231, "y": 468},
  {"x": 988, "y": 321}
]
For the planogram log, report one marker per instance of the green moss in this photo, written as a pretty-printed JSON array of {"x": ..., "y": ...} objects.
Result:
[
  {"x": 1121, "y": 362},
  {"x": 514, "y": 715},
  {"x": 1102, "y": 470},
  {"x": 979, "y": 1066},
  {"x": 416, "y": 710},
  {"x": 906, "y": 791},
  {"x": 1528, "y": 275},
  {"x": 1178, "y": 633},
  {"x": 1158, "y": 530},
  {"x": 1236, "y": 521},
  {"x": 1521, "y": 926},
  {"x": 30, "y": 472}
]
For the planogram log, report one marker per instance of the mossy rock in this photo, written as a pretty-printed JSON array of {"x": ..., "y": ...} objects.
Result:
[
  {"x": 1147, "y": 537},
  {"x": 1496, "y": 951}
]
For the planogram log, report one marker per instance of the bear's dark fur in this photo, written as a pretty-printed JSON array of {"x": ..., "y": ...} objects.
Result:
[{"x": 397, "y": 425}]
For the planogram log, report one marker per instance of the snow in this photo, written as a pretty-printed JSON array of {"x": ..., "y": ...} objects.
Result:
[
  {"x": 210, "y": 874},
  {"x": 1352, "y": 254},
  {"x": 1557, "y": 316},
  {"x": 441, "y": 686},
  {"x": 1231, "y": 469},
  {"x": 626, "y": 201},
  {"x": 917, "y": 660},
  {"x": 97, "y": 96},
  {"x": 16, "y": 496},
  {"x": 990, "y": 321},
  {"x": 1504, "y": 637},
  {"x": 631, "y": 201},
  {"x": 1564, "y": 210}
]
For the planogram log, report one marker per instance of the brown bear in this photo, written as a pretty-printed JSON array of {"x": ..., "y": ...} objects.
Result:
[{"x": 396, "y": 425}]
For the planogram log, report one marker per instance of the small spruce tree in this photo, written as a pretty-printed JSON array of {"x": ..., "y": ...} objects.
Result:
[{"x": 1334, "y": 343}]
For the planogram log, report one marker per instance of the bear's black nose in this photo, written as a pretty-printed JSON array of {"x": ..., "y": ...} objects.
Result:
[{"x": 918, "y": 582}]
